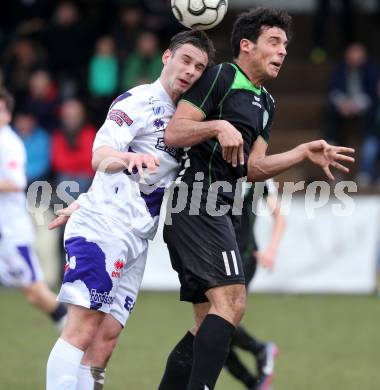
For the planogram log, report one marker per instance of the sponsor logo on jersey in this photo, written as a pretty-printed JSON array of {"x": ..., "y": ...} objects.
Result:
[
  {"x": 153, "y": 100},
  {"x": 160, "y": 145},
  {"x": 159, "y": 124},
  {"x": 98, "y": 297},
  {"x": 160, "y": 110},
  {"x": 129, "y": 304},
  {"x": 256, "y": 98},
  {"x": 120, "y": 117},
  {"x": 118, "y": 264}
]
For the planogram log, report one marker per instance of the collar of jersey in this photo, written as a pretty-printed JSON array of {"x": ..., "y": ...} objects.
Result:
[
  {"x": 242, "y": 81},
  {"x": 163, "y": 91}
]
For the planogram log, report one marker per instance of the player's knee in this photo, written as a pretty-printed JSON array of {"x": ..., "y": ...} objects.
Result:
[
  {"x": 81, "y": 326},
  {"x": 239, "y": 305}
]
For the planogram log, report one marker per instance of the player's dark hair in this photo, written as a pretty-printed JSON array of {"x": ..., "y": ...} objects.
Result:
[
  {"x": 7, "y": 98},
  {"x": 249, "y": 25},
  {"x": 196, "y": 38}
]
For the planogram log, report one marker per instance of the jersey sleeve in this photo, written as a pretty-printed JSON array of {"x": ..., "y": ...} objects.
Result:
[
  {"x": 208, "y": 91},
  {"x": 13, "y": 162},
  {"x": 268, "y": 116},
  {"x": 122, "y": 124}
]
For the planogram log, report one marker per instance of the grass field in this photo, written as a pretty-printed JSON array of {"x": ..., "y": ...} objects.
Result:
[{"x": 326, "y": 342}]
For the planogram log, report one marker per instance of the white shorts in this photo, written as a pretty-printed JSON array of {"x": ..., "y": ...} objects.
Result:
[
  {"x": 19, "y": 266},
  {"x": 103, "y": 271}
]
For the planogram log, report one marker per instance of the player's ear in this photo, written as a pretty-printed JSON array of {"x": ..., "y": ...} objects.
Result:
[
  {"x": 246, "y": 45},
  {"x": 165, "y": 57}
]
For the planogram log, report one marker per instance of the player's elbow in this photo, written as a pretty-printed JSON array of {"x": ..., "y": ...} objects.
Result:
[
  {"x": 95, "y": 161},
  {"x": 255, "y": 173},
  {"x": 170, "y": 137}
]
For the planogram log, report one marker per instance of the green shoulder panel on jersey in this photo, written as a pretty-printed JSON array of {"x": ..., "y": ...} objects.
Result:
[{"x": 241, "y": 81}]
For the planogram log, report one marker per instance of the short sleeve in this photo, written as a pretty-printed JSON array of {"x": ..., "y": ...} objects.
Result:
[
  {"x": 208, "y": 91},
  {"x": 268, "y": 116},
  {"x": 122, "y": 124}
]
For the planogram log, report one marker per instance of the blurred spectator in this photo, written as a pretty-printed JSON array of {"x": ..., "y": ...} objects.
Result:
[
  {"x": 103, "y": 78},
  {"x": 158, "y": 18},
  {"x": 69, "y": 42},
  {"x": 369, "y": 173},
  {"x": 126, "y": 29},
  {"x": 25, "y": 15},
  {"x": 72, "y": 146},
  {"x": 351, "y": 95},
  {"x": 144, "y": 64},
  {"x": 103, "y": 72},
  {"x": 42, "y": 99},
  {"x": 322, "y": 13},
  {"x": 21, "y": 58},
  {"x": 37, "y": 145}
]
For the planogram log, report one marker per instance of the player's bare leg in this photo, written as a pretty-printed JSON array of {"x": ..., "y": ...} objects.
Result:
[
  {"x": 95, "y": 359},
  {"x": 39, "y": 295},
  {"x": 67, "y": 353}
]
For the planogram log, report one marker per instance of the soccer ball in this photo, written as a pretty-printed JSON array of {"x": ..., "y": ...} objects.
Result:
[{"x": 199, "y": 14}]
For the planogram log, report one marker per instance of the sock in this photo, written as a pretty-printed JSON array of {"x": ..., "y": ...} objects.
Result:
[
  {"x": 237, "y": 369},
  {"x": 90, "y": 378},
  {"x": 211, "y": 347},
  {"x": 247, "y": 342},
  {"x": 62, "y": 366},
  {"x": 59, "y": 316},
  {"x": 178, "y": 365},
  {"x": 59, "y": 312}
]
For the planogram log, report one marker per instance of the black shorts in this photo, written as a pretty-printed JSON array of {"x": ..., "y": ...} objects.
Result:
[
  {"x": 250, "y": 267},
  {"x": 204, "y": 252}
]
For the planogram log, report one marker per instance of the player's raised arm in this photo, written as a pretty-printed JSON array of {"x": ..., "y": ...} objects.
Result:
[
  {"x": 195, "y": 120},
  {"x": 187, "y": 128},
  {"x": 9, "y": 186},
  {"x": 107, "y": 159},
  {"x": 320, "y": 153}
]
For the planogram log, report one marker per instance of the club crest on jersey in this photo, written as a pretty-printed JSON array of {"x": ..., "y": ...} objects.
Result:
[
  {"x": 159, "y": 124},
  {"x": 160, "y": 110},
  {"x": 120, "y": 117},
  {"x": 118, "y": 264}
]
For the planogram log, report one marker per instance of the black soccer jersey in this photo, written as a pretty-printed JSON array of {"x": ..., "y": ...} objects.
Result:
[{"x": 225, "y": 92}]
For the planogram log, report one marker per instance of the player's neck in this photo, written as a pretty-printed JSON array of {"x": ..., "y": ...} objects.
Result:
[
  {"x": 172, "y": 94},
  {"x": 253, "y": 76}
]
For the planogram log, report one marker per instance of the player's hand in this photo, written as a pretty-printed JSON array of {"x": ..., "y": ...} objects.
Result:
[
  {"x": 266, "y": 258},
  {"x": 140, "y": 161},
  {"x": 231, "y": 141},
  {"x": 63, "y": 216},
  {"x": 326, "y": 156}
]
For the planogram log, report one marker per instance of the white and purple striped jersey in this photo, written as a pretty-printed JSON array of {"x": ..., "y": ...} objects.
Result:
[
  {"x": 135, "y": 123},
  {"x": 15, "y": 223}
]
